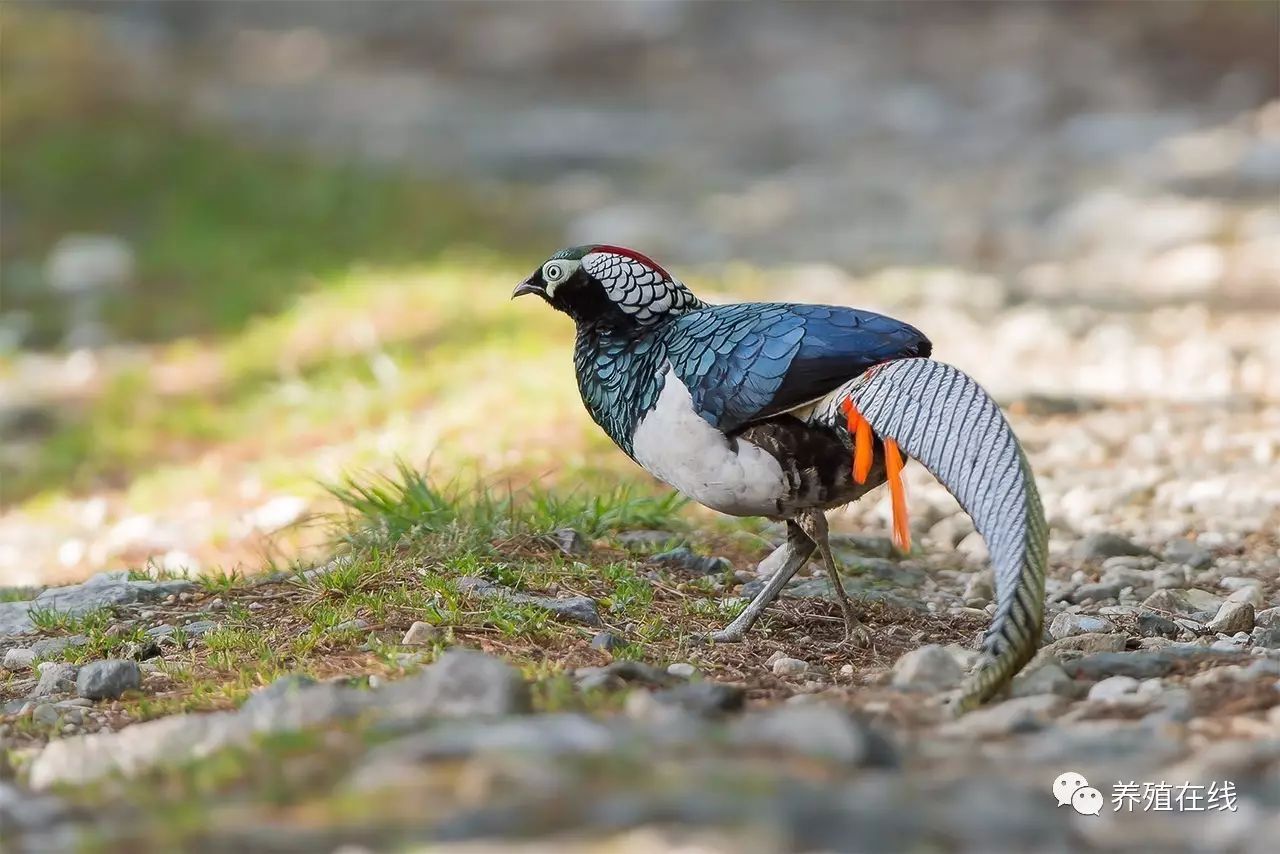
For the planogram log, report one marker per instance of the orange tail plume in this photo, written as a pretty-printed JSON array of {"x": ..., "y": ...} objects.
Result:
[
  {"x": 863, "y": 443},
  {"x": 897, "y": 495}
]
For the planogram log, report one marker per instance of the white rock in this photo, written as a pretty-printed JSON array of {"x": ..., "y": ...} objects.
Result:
[
  {"x": 929, "y": 668},
  {"x": 1113, "y": 687},
  {"x": 786, "y": 667},
  {"x": 1066, "y": 625},
  {"x": 420, "y": 633},
  {"x": 1252, "y": 594},
  {"x": 1231, "y": 618},
  {"x": 19, "y": 658},
  {"x": 683, "y": 669}
]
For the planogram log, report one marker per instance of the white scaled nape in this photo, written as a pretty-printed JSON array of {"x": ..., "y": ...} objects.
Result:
[{"x": 678, "y": 446}]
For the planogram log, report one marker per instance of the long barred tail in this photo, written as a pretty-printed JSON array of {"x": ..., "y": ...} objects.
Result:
[{"x": 939, "y": 416}]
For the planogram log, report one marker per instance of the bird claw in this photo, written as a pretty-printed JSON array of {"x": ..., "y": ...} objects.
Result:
[
  {"x": 857, "y": 636},
  {"x": 722, "y": 636}
]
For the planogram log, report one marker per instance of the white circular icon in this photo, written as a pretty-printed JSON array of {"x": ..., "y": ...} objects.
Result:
[
  {"x": 1087, "y": 801},
  {"x": 1066, "y": 784}
]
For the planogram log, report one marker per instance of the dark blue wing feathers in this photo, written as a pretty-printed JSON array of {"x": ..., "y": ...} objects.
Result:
[{"x": 750, "y": 361}]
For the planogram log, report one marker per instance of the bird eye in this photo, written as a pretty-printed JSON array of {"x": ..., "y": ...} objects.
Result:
[{"x": 552, "y": 272}]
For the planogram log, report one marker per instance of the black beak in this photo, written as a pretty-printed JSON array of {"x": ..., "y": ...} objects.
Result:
[{"x": 530, "y": 285}]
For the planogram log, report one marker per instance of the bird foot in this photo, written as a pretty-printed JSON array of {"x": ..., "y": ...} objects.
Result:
[
  {"x": 722, "y": 636},
  {"x": 856, "y": 635}
]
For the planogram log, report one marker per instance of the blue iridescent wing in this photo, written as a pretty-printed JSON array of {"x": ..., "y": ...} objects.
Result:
[{"x": 749, "y": 361}]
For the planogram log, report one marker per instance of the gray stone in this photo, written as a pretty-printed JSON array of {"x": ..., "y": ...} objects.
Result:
[
  {"x": 818, "y": 729},
  {"x": 682, "y": 670},
  {"x": 643, "y": 541},
  {"x": 47, "y": 648},
  {"x": 684, "y": 558},
  {"x": 929, "y": 668},
  {"x": 135, "y": 748},
  {"x": 295, "y": 702},
  {"x": 862, "y": 544},
  {"x": 703, "y": 698},
  {"x": 289, "y": 684},
  {"x": 161, "y": 631},
  {"x": 618, "y": 673},
  {"x": 1021, "y": 714},
  {"x": 1266, "y": 638},
  {"x": 15, "y": 619},
  {"x": 1100, "y": 546},
  {"x": 1155, "y": 626},
  {"x": 199, "y": 628},
  {"x": 789, "y": 667},
  {"x": 1100, "y": 592},
  {"x": 1186, "y": 552},
  {"x": 107, "y": 590},
  {"x": 55, "y": 678},
  {"x": 607, "y": 641},
  {"x": 570, "y": 542},
  {"x": 1112, "y": 688},
  {"x": 1066, "y": 625},
  {"x": 1090, "y": 642},
  {"x": 1049, "y": 678},
  {"x": 45, "y": 714},
  {"x": 19, "y": 658},
  {"x": 577, "y": 609},
  {"x": 420, "y": 634},
  {"x": 978, "y": 590},
  {"x": 1139, "y": 665},
  {"x": 108, "y": 679},
  {"x": 463, "y": 683},
  {"x": 1232, "y": 617},
  {"x": 356, "y": 625},
  {"x": 554, "y": 735},
  {"x": 1186, "y": 603},
  {"x": 1270, "y": 618}
]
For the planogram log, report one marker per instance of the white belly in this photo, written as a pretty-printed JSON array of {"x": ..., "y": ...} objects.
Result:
[{"x": 675, "y": 444}]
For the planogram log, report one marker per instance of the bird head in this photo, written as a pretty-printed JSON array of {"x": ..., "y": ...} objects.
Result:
[{"x": 608, "y": 286}]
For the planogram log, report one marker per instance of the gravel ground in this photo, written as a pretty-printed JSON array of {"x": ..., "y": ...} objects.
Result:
[{"x": 1111, "y": 241}]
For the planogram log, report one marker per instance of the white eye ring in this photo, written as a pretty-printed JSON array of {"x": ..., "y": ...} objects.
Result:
[{"x": 553, "y": 272}]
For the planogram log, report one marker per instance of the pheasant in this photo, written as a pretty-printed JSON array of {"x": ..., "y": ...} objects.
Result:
[{"x": 787, "y": 411}]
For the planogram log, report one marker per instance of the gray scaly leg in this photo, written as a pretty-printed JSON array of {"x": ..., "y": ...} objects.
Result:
[
  {"x": 814, "y": 524},
  {"x": 787, "y": 558}
]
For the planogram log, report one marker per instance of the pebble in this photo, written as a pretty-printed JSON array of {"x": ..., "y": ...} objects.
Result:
[
  {"x": 1153, "y": 625},
  {"x": 607, "y": 641},
  {"x": 355, "y": 625},
  {"x": 1100, "y": 546},
  {"x": 45, "y": 714},
  {"x": 1232, "y": 617},
  {"x": 420, "y": 634},
  {"x": 788, "y": 667},
  {"x": 1091, "y": 642},
  {"x": 108, "y": 679},
  {"x": 929, "y": 668},
  {"x": 1186, "y": 552},
  {"x": 703, "y": 698},
  {"x": 570, "y": 542},
  {"x": 978, "y": 590},
  {"x": 684, "y": 558},
  {"x": 19, "y": 658},
  {"x": 1187, "y": 602},
  {"x": 1113, "y": 687},
  {"x": 682, "y": 669},
  {"x": 1268, "y": 618},
  {"x": 1067, "y": 624},
  {"x": 1048, "y": 678},
  {"x": 55, "y": 678},
  {"x": 1251, "y": 594}
]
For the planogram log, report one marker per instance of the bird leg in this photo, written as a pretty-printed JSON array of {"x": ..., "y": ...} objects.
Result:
[
  {"x": 814, "y": 524},
  {"x": 787, "y": 558}
]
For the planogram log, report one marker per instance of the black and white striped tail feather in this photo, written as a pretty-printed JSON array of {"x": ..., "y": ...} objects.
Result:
[{"x": 941, "y": 417}]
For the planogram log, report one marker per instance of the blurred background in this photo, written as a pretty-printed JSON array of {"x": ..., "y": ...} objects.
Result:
[{"x": 248, "y": 247}]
